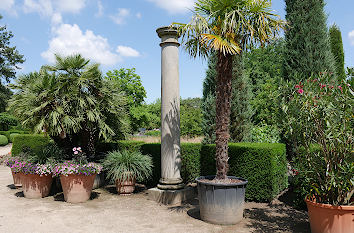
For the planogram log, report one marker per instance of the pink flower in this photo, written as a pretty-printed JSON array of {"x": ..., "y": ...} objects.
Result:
[
  {"x": 79, "y": 148},
  {"x": 74, "y": 149},
  {"x": 297, "y": 86},
  {"x": 76, "y": 152},
  {"x": 300, "y": 91}
]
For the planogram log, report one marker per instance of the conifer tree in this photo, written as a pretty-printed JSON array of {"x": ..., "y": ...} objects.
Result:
[
  {"x": 241, "y": 113},
  {"x": 307, "y": 48},
  {"x": 336, "y": 43}
]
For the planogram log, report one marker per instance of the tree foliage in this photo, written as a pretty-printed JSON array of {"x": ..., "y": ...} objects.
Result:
[
  {"x": 191, "y": 117},
  {"x": 307, "y": 49},
  {"x": 5, "y": 95},
  {"x": 336, "y": 43},
  {"x": 71, "y": 102},
  {"x": 130, "y": 83},
  {"x": 10, "y": 58}
]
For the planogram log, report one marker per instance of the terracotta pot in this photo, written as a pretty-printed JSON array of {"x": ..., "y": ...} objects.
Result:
[
  {"x": 325, "y": 218},
  {"x": 77, "y": 188},
  {"x": 17, "y": 179},
  {"x": 36, "y": 186},
  {"x": 125, "y": 187}
]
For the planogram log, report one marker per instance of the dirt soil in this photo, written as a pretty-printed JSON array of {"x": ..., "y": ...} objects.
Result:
[{"x": 109, "y": 212}]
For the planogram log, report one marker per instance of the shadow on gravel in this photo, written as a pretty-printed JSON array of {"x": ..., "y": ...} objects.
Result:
[
  {"x": 190, "y": 206},
  {"x": 277, "y": 218},
  {"x": 19, "y": 194},
  {"x": 60, "y": 196},
  {"x": 11, "y": 186},
  {"x": 113, "y": 190}
]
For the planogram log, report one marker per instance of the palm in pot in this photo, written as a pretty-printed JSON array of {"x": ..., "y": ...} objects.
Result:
[{"x": 125, "y": 167}]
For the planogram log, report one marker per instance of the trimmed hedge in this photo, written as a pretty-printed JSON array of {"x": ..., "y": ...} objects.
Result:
[
  {"x": 3, "y": 140},
  {"x": 12, "y": 136},
  {"x": 8, "y": 133},
  {"x": 264, "y": 165},
  {"x": 34, "y": 142}
]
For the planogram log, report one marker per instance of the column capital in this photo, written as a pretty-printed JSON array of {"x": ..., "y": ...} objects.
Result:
[{"x": 168, "y": 35}]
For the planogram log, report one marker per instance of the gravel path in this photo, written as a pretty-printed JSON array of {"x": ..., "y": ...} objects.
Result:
[
  {"x": 4, "y": 150},
  {"x": 109, "y": 212}
]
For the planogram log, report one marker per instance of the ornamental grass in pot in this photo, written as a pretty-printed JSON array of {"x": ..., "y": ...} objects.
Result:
[
  {"x": 320, "y": 121},
  {"x": 77, "y": 177},
  {"x": 124, "y": 168}
]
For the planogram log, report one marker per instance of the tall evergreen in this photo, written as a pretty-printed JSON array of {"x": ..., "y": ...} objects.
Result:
[
  {"x": 241, "y": 113},
  {"x": 336, "y": 43},
  {"x": 307, "y": 48}
]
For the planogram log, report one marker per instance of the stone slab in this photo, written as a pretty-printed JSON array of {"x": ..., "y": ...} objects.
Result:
[{"x": 172, "y": 197}]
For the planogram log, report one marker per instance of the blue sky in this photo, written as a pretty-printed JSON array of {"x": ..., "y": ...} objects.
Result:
[{"x": 121, "y": 33}]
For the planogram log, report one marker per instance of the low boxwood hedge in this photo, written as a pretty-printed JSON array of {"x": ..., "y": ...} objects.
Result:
[
  {"x": 9, "y": 132},
  {"x": 264, "y": 165},
  {"x": 32, "y": 142},
  {"x": 12, "y": 136},
  {"x": 3, "y": 140}
]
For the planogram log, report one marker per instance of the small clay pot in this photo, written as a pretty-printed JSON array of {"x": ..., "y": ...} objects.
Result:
[
  {"x": 125, "y": 187},
  {"x": 325, "y": 218},
  {"x": 36, "y": 186},
  {"x": 17, "y": 179},
  {"x": 77, "y": 188}
]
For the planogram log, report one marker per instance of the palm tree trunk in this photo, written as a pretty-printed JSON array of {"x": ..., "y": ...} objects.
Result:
[{"x": 223, "y": 103}]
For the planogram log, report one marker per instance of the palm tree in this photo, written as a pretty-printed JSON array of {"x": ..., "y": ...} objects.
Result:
[
  {"x": 227, "y": 27},
  {"x": 71, "y": 102}
]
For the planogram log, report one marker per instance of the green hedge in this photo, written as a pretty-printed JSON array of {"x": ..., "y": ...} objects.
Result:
[
  {"x": 9, "y": 132},
  {"x": 264, "y": 165},
  {"x": 3, "y": 140},
  {"x": 12, "y": 136},
  {"x": 34, "y": 142}
]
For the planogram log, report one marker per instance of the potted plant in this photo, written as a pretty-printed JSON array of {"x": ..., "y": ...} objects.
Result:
[
  {"x": 14, "y": 164},
  {"x": 77, "y": 177},
  {"x": 320, "y": 117},
  {"x": 226, "y": 28},
  {"x": 125, "y": 167},
  {"x": 36, "y": 179}
]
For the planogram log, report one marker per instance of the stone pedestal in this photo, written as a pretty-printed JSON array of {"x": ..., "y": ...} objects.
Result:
[{"x": 170, "y": 111}]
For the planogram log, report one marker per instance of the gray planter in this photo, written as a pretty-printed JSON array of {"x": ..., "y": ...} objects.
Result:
[
  {"x": 221, "y": 203},
  {"x": 99, "y": 181}
]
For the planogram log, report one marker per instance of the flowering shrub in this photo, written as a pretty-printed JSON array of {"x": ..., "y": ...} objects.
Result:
[
  {"x": 320, "y": 116},
  {"x": 71, "y": 167},
  {"x": 18, "y": 165},
  {"x": 78, "y": 165}
]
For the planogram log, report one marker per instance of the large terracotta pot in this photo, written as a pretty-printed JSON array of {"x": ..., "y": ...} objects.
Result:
[
  {"x": 125, "y": 187},
  {"x": 17, "y": 179},
  {"x": 36, "y": 186},
  {"x": 325, "y": 218},
  {"x": 77, "y": 188}
]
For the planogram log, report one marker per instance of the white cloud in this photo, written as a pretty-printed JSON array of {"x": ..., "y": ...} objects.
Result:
[
  {"x": 43, "y": 7},
  {"x": 72, "y": 6},
  {"x": 138, "y": 15},
  {"x": 100, "y": 9},
  {"x": 351, "y": 37},
  {"x": 57, "y": 19},
  {"x": 7, "y": 5},
  {"x": 69, "y": 39},
  {"x": 174, "y": 6},
  {"x": 126, "y": 51},
  {"x": 121, "y": 15}
]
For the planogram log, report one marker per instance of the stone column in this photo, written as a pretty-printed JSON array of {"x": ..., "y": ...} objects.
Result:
[{"x": 170, "y": 111}]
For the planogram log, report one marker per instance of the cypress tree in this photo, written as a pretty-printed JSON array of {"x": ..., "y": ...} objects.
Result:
[
  {"x": 336, "y": 43},
  {"x": 307, "y": 49},
  {"x": 241, "y": 113}
]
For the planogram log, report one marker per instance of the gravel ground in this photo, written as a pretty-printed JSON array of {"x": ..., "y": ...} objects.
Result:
[
  {"x": 109, "y": 212},
  {"x": 4, "y": 150}
]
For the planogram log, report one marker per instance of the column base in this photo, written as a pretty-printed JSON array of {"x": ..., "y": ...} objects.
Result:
[
  {"x": 170, "y": 186},
  {"x": 172, "y": 197}
]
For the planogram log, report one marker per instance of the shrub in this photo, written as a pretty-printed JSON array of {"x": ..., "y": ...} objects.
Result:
[
  {"x": 7, "y": 120},
  {"x": 154, "y": 133},
  {"x": 264, "y": 165},
  {"x": 264, "y": 134},
  {"x": 7, "y": 133},
  {"x": 12, "y": 136},
  {"x": 32, "y": 143},
  {"x": 3, "y": 140}
]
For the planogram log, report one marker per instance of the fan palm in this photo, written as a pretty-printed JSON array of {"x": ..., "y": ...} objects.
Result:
[
  {"x": 227, "y": 27},
  {"x": 71, "y": 102}
]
